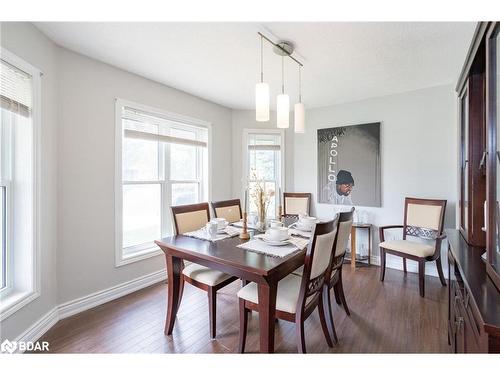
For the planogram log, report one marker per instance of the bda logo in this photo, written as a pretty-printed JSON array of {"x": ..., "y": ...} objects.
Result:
[{"x": 8, "y": 346}]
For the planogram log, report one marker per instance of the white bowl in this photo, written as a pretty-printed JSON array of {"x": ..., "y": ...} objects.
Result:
[{"x": 221, "y": 222}]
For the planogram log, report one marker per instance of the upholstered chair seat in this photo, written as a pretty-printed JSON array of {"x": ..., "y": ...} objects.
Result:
[
  {"x": 287, "y": 295},
  {"x": 205, "y": 275},
  {"x": 409, "y": 247}
]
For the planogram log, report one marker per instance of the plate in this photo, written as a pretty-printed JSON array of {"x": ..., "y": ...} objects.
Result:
[{"x": 274, "y": 242}]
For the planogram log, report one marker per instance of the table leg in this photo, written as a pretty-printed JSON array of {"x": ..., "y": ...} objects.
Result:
[
  {"x": 174, "y": 268},
  {"x": 369, "y": 246},
  {"x": 267, "y": 313},
  {"x": 353, "y": 248}
]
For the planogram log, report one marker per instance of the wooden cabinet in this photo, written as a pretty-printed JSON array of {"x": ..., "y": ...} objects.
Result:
[{"x": 473, "y": 300}]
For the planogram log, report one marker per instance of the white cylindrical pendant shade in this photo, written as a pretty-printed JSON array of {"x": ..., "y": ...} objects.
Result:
[
  {"x": 300, "y": 118},
  {"x": 282, "y": 111},
  {"x": 262, "y": 102}
]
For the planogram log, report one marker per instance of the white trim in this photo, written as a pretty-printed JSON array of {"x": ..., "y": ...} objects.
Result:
[
  {"x": 67, "y": 309},
  {"x": 98, "y": 298},
  {"x": 120, "y": 260},
  {"x": 39, "y": 328},
  {"x": 27, "y": 296}
]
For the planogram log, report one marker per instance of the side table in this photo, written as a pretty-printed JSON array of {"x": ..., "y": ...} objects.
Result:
[{"x": 354, "y": 228}]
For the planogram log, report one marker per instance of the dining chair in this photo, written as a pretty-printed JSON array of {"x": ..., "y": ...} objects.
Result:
[
  {"x": 188, "y": 218},
  {"x": 344, "y": 226},
  {"x": 229, "y": 210},
  {"x": 297, "y": 297},
  {"x": 296, "y": 203},
  {"x": 424, "y": 219}
]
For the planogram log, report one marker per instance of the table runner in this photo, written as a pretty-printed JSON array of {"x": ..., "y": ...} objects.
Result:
[
  {"x": 259, "y": 246},
  {"x": 202, "y": 234}
]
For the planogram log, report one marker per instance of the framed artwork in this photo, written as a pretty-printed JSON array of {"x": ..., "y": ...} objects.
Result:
[{"x": 349, "y": 165}]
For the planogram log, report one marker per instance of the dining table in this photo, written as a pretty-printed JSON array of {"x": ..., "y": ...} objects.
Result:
[{"x": 224, "y": 255}]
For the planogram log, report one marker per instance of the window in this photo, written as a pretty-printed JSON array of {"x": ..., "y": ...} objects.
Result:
[
  {"x": 19, "y": 98},
  {"x": 163, "y": 162},
  {"x": 264, "y": 160}
]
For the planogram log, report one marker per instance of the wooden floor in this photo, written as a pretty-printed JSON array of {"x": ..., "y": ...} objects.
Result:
[{"x": 388, "y": 317}]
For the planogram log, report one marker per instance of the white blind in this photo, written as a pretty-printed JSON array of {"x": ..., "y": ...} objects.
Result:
[
  {"x": 264, "y": 142},
  {"x": 148, "y": 126},
  {"x": 15, "y": 89}
]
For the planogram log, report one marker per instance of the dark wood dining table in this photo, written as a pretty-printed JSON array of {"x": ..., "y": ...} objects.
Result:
[{"x": 225, "y": 256}]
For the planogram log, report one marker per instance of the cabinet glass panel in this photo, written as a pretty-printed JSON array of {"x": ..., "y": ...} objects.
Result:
[{"x": 496, "y": 252}]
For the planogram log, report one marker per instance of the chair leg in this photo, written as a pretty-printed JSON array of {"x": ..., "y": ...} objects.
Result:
[
  {"x": 337, "y": 295},
  {"x": 440, "y": 271},
  {"x": 404, "y": 265},
  {"x": 299, "y": 332},
  {"x": 342, "y": 295},
  {"x": 212, "y": 310},
  {"x": 421, "y": 277},
  {"x": 328, "y": 307},
  {"x": 243, "y": 326},
  {"x": 322, "y": 318},
  {"x": 382, "y": 264}
]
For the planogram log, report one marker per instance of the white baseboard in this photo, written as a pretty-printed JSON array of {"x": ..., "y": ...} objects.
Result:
[
  {"x": 98, "y": 298},
  {"x": 39, "y": 328}
]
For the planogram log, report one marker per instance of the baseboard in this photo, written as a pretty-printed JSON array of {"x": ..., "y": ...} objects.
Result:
[
  {"x": 98, "y": 298},
  {"x": 39, "y": 328},
  {"x": 65, "y": 310}
]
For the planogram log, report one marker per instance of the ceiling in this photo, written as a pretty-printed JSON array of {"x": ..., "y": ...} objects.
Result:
[{"x": 343, "y": 61}]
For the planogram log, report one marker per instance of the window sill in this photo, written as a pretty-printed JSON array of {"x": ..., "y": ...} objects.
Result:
[
  {"x": 15, "y": 300},
  {"x": 138, "y": 256}
]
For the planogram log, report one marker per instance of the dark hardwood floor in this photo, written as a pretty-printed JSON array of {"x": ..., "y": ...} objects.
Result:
[{"x": 388, "y": 317}]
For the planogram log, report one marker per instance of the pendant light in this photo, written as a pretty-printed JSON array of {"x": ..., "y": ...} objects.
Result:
[
  {"x": 300, "y": 111},
  {"x": 261, "y": 93},
  {"x": 282, "y": 102}
]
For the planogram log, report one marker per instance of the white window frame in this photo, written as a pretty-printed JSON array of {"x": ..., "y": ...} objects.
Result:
[
  {"x": 245, "y": 160},
  {"x": 145, "y": 251},
  {"x": 11, "y": 298}
]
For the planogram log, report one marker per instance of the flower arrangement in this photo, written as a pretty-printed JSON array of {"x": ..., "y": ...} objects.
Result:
[{"x": 261, "y": 197}]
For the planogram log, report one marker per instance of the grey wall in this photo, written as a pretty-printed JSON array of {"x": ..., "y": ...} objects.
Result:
[
  {"x": 25, "y": 41},
  {"x": 418, "y": 150},
  {"x": 88, "y": 88}
]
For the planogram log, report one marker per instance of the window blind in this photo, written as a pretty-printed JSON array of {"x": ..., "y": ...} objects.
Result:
[
  {"x": 16, "y": 89},
  {"x": 153, "y": 127}
]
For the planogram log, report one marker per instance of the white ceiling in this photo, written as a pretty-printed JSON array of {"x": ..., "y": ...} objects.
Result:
[{"x": 219, "y": 62}]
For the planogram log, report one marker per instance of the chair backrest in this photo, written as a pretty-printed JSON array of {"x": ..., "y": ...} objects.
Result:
[
  {"x": 229, "y": 210},
  {"x": 190, "y": 217},
  {"x": 424, "y": 218},
  {"x": 317, "y": 261},
  {"x": 296, "y": 203},
  {"x": 343, "y": 232}
]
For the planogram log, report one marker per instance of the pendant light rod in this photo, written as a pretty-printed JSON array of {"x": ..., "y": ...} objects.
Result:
[
  {"x": 300, "y": 85},
  {"x": 286, "y": 53},
  {"x": 282, "y": 74},
  {"x": 261, "y": 60}
]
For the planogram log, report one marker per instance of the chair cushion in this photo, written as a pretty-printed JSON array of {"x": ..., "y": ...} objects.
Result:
[
  {"x": 287, "y": 296},
  {"x": 409, "y": 247},
  {"x": 204, "y": 274}
]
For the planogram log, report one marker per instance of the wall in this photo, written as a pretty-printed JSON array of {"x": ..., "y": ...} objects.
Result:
[
  {"x": 88, "y": 88},
  {"x": 418, "y": 151},
  {"x": 25, "y": 41},
  {"x": 244, "y": 119}
]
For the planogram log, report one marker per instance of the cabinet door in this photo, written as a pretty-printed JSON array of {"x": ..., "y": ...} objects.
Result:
[{"x": 493, "y": 175}]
